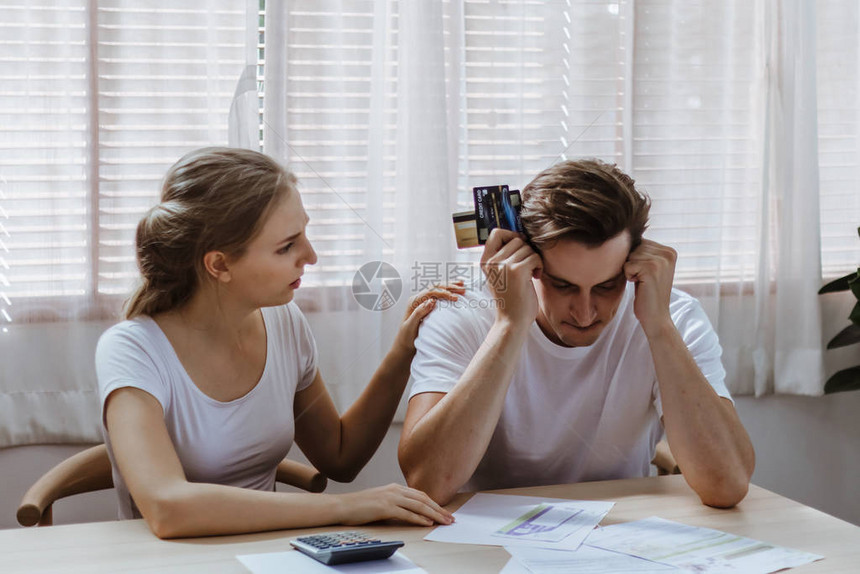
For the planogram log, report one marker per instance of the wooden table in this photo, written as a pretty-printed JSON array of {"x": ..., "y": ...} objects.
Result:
[{"x": 129, "y": 546}]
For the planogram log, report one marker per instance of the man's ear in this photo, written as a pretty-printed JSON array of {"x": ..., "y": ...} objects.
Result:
[{"x": 217, "y": 266}]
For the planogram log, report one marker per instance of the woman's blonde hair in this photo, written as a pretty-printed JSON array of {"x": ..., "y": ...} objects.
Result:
[
  {"x": 587, "y": 200},
  {"x": 212, "y": 199}
]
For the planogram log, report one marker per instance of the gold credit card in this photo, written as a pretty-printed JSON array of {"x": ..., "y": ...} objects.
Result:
[{"x": 465, "y": 229}]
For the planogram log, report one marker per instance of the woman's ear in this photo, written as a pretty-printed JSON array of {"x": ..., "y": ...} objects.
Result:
[{"x": 217, "y": 266}]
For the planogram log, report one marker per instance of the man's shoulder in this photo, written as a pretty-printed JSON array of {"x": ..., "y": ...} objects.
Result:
[
  {"x": 475, "y": 303},
  {"x": 472, "y": 312},
  {"x": 690, "y": 317},
  {"x": 681, "y": 303}
]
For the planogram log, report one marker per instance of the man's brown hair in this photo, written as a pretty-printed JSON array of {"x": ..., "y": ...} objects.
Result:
[{"x": 588, "y": 200}]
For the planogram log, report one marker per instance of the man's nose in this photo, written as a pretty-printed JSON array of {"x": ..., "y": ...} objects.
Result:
[{"x": 583, "y": 310}]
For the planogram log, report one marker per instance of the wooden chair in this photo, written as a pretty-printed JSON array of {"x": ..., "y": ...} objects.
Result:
[
  {"x": 90, "y": 470},
  {"x": 664, "y": 460}
]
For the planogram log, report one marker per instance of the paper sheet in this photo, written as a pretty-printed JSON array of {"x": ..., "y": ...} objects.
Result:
[
  {"x": 514, "y": 567},
  {"x": 585, "y": 560},
  {"x": 696, "y": 549},
  {"x": 294, "y": 561},
  {"x": 508, "y": 520}
]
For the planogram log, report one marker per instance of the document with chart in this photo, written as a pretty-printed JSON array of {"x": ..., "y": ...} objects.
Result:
[
  {"x": 585, "y": 560},
  {"x": 508, "y": 520},
  {"x": 696, "y": 549}
]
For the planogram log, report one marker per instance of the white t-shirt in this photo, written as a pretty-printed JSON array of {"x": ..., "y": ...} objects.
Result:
[
  {"x": 570, "y": 414},
  {"x": 236, "y": 443}
]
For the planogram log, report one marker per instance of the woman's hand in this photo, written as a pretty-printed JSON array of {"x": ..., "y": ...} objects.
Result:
[
  {"x": 392, "y": 502},
  {"x": 420, "y": 305}
]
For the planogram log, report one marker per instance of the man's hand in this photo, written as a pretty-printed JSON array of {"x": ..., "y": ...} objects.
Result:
[
  {"x": 509, "y": 264},
  {"x": 651, "y": 266}
]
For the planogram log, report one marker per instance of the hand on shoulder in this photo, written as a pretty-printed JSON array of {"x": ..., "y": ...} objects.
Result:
[{"x": 422, "y": 304}]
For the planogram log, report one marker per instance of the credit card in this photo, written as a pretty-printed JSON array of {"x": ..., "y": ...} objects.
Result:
[
  {"x": 488, "y": 209},
  {"x": 495, "y": 206},
  {"x": 465, "y": 229}
]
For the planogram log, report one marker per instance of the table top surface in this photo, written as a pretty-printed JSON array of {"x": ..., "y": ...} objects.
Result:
[{"x": 128, "y": 546}]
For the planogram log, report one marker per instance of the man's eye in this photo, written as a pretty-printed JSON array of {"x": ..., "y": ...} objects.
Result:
[{"x": 561, "y": 285}]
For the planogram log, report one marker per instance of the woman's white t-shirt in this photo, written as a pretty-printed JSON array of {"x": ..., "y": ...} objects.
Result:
[{"x": 235, "y": 443}]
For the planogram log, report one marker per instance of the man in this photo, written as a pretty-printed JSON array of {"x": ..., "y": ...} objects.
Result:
[{"x": 573, "y": 359}]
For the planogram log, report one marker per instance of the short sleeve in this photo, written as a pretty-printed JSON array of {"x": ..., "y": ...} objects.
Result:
[
  {"x": 703, "y": 343},
  {"x": 125, "y": 358},
  {"x": 306, "y": 347},
  {"x": 447, "y": 341}
]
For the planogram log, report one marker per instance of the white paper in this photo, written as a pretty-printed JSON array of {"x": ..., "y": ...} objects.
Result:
[
  {"x": 514, "y": 567},
  {"x": 508, "y": 520},
  {"x": 696, "y": 549},
  {"x": 584, "y": 560},
  {"x": 294, "y": 561}
]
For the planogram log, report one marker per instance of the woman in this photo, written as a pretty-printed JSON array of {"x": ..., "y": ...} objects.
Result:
[{"x": 213, "y": 374}]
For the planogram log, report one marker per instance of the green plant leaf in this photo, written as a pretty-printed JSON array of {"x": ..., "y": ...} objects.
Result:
[
  {"x": 844, "y": 380},
  {"x": 854, "y": 284},
  {"x": 840, "y": 284},
  {"x": 847, "y": 336}
]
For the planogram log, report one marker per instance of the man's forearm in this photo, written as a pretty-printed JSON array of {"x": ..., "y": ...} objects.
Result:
[
  {"x": 707, "y": 438},
  {"x": 441, "y": 451}
]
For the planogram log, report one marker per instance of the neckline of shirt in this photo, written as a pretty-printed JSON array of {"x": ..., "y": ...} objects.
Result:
[{"x": 186, "y": 378}]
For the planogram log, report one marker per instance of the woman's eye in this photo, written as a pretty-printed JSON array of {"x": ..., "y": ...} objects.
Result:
[
  {"x": 560, "y": 287},
  {"x": 285, "y": 248}
]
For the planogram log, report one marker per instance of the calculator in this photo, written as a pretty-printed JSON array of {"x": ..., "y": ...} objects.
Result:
[{"x": 343, "y": 547}]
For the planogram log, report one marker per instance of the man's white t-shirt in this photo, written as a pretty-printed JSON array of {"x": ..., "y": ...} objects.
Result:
[
  {"x": 235, "y": 443},
  {"x": 570, "y": 414}
]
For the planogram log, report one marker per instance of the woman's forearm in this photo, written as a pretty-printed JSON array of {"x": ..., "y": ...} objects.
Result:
[
  {"x": 365, "y": 423},
  {"x": 188, "y": 509}
]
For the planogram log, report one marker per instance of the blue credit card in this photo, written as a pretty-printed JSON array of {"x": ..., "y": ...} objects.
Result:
[{"x": 495, "y": 206}]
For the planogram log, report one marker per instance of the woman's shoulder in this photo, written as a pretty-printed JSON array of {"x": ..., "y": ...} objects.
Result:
[
  {"x": 140, "y": 334},
  {"x": 142, "y": 327}
]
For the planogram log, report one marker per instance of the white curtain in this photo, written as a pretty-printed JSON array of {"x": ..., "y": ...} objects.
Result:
[
  {"x": 739, "y": 118},
  {"x": 712, "y": 108},
  {"x": 99, "y": 99},
  {"x": 791, "y": 197}
]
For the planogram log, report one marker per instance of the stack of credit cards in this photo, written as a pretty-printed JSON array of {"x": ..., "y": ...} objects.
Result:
[{"x": 495, "y": 206}]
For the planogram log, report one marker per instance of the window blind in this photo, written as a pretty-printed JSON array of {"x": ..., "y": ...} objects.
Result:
[
  {"x": 328, "y": 79},
  {"x": 166, "y": 78},
  {"x": 696, "y": 133},
  {"x": 665, "y": 91},
  {"x": 97, "y": 102},
  {"x": 44, "y": 181},
  {"x": 544, "y": 82}
]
